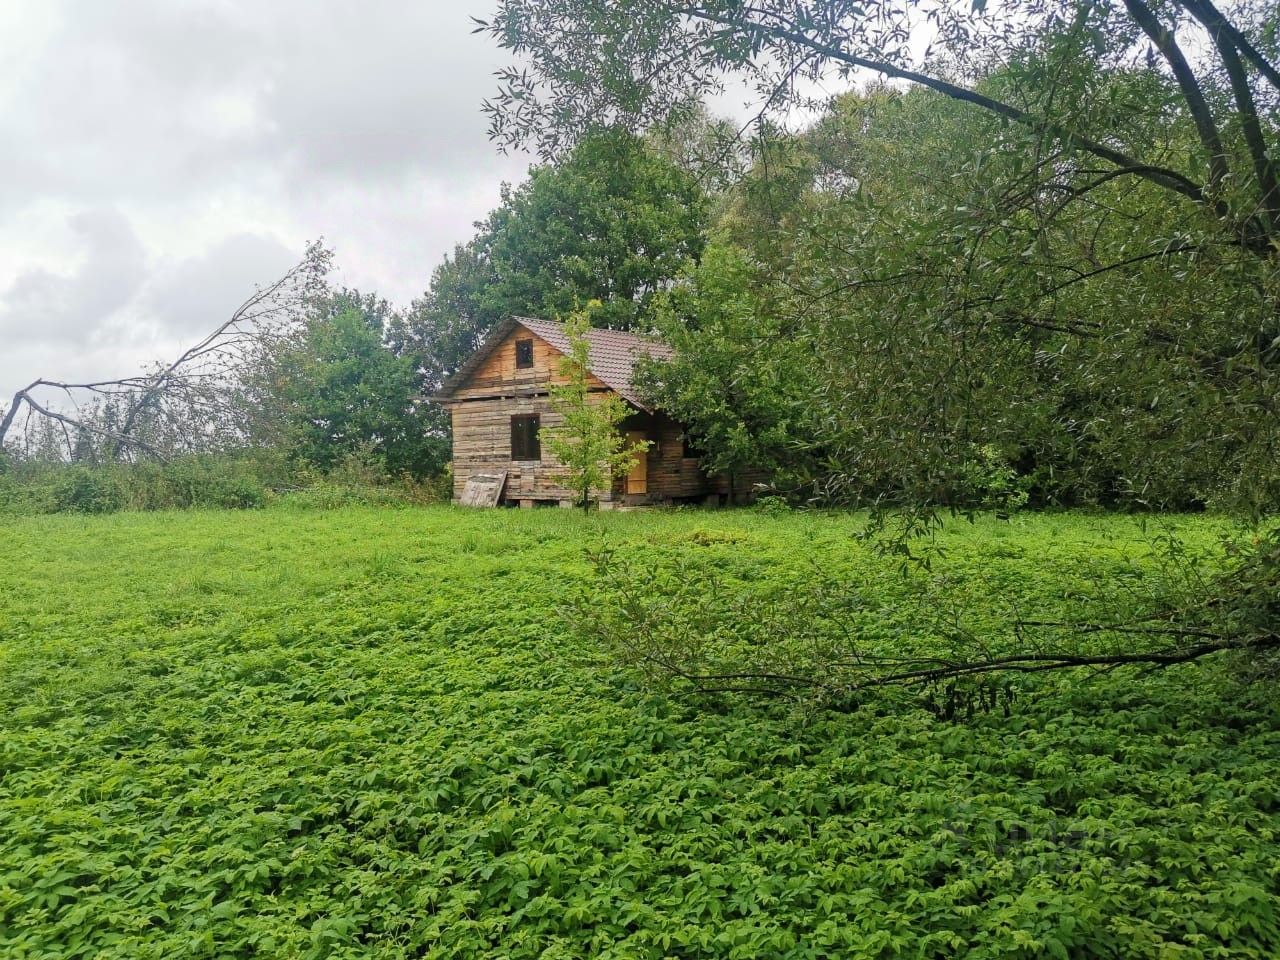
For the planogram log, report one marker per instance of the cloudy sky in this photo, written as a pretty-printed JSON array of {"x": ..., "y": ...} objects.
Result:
[{"x": 160, "y": 157}]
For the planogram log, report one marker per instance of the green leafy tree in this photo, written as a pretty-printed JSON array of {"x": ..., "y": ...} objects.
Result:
[
  {"x": 740, "y": 386},
  {"x": 588, "y": 441},
  {"x": 613, "y": 221},
  {"x": 342, "y": 391},
  {"x": 1058, "y": 255},
  {"x": 1084, "y": 269}
]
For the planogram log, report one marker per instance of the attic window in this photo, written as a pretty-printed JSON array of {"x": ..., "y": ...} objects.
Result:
[
  {"x": 524, "y": 437},
  {"x": 524, "y": 354}
]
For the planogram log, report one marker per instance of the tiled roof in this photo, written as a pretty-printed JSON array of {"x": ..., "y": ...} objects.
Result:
[
  {"x": 614, "y": 353},
  {"x": 613, "y": 357}
]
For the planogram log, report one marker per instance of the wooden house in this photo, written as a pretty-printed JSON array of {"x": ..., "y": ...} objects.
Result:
[{"x": 499, "y": 400}]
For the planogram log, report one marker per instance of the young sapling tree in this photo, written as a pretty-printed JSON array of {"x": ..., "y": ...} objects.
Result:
[{"x": 588, "y": 441}]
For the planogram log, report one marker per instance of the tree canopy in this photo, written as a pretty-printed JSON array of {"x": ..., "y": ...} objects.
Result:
[
  {"x": 1037, "y": 260},
  {"x": 612, "y": 221},
  {"x": 340, "y": 391},
  {"x": 1060, "y": 244}
]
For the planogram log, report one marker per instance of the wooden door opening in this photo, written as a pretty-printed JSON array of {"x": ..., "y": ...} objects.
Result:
[{"x": 638, "y": 478}]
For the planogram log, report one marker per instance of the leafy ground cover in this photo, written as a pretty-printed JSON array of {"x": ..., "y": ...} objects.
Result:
[{"x": 366, "y": 732}]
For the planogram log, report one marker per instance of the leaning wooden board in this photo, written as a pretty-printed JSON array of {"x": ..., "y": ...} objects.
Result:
[{"x": 483, "y": 489}]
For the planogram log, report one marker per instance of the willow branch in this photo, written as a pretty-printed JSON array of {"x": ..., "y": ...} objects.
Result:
[{"x": 1164, "y": 40}]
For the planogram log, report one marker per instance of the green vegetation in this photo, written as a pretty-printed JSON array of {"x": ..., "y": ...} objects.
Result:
[
  {"x": 252, "y": 479},
  {"x": 612, "y": 221},
  {"x": 340, "y": 391},
  {"x": 1032, "y": 262},
  {"x": 368, "y": 732},
  {"x": 588, "y": 440},
  {"x": 1037, "y": 271}
]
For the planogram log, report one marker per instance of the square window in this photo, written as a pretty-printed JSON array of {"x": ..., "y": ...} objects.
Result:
[
  {"x": 524, "y": 437},
  {"x": 524, "y": 354}
]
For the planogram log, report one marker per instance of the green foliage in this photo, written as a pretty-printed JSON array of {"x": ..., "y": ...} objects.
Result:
[
  {"x": 587, "y": 439},
  {"x": 842, "y": 638},
  {"x": 884, "y": 310},
  {"x": 197, "y": 481},
  {"x": 1065, "y": 252},
  {"x": 86, "y": 490},
  {"x": 738, "y": 383},
  {"x": 226, "y": 482},
  {"x": 342, "y": 389},
  {"x": 772, "y": 506},
  {"x": 612, "y": 221},
  {"x": 987, "y": 480},
  {"x": 367, "y": 733},
  {"x": 361, "y": 479}
]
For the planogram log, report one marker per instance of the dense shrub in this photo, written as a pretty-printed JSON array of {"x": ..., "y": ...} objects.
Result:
[
  {"x": 366, "y": 733},
  {"x": 85, "y": 490},
  {"x": 360, "y": 479},
  {"x": 207, "y": 482}
]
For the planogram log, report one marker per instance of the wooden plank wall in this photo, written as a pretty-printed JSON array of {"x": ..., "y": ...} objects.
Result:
[
  {"x": 482, "y": 412},
  {"x": 498, "y": 375},
  {"x": 482, "y": 444},
  {"x": 672, "y": 475}
]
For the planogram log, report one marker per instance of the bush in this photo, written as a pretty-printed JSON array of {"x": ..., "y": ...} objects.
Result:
[
  {"x": 359, "y": 480},
  {"x": 198, "y": 481},
  {"x": 772, "y": 506},
  {"x": 987, "y": 481},
  {"x": 86, "y": 490},
  {"x": 241, "y": 482},
  {"x": 208, "y": 482}
]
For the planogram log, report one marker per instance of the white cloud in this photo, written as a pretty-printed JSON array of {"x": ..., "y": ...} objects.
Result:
[{"x": 189, "y": 298}]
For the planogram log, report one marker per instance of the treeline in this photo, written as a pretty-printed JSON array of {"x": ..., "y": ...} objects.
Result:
[
  {"x": 904, "y": 303},
  {"x": 887, "y": 308},
  {"x": 881, "y": 308}
]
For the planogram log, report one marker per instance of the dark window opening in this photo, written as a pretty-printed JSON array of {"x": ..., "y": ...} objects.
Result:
[
  {"x": 524, "y": 437},
  {"x": 689, "y": 449},
  {"x": 524, "y": 354}
]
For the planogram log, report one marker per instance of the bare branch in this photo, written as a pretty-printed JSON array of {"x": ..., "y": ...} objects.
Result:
[{"x": 187, "y": 398}]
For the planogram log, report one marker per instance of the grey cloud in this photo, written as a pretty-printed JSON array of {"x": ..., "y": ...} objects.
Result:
[
  {"x": 198, "y": 293},
  {"x": 383, "y": 87},
  {"x": 227, "y": 133},
  {"x": 73, "y": 305},
  {"x": 145, "y": 95}
]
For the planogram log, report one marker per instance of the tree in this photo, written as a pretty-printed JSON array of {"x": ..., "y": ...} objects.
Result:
[
  {"x": 343, "y": 391},
  {"x": 740, "y": 386},
  {"x": 629, "y": 62},
  {"x": 195, "y": 403},
  {"x": 1083, "y": 275},
  {"x": 588, "y": 440},
  {"x": 611, "y": 221}
]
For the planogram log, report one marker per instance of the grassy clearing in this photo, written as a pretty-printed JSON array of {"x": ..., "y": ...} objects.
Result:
[{"x": 364, "y": 732}]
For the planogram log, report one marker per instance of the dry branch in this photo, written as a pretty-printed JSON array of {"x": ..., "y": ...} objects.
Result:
[{"x": 183, "y": 405}]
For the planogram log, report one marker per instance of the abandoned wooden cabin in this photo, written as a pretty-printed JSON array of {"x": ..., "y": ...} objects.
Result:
[{"x": 498, "y": 401}]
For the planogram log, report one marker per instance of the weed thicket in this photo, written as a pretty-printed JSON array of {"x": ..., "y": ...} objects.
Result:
[{"x": 365, "y": 732}]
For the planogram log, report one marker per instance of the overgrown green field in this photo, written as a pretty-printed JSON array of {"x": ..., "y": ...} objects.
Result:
[{"x": 366, "y": 732}]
